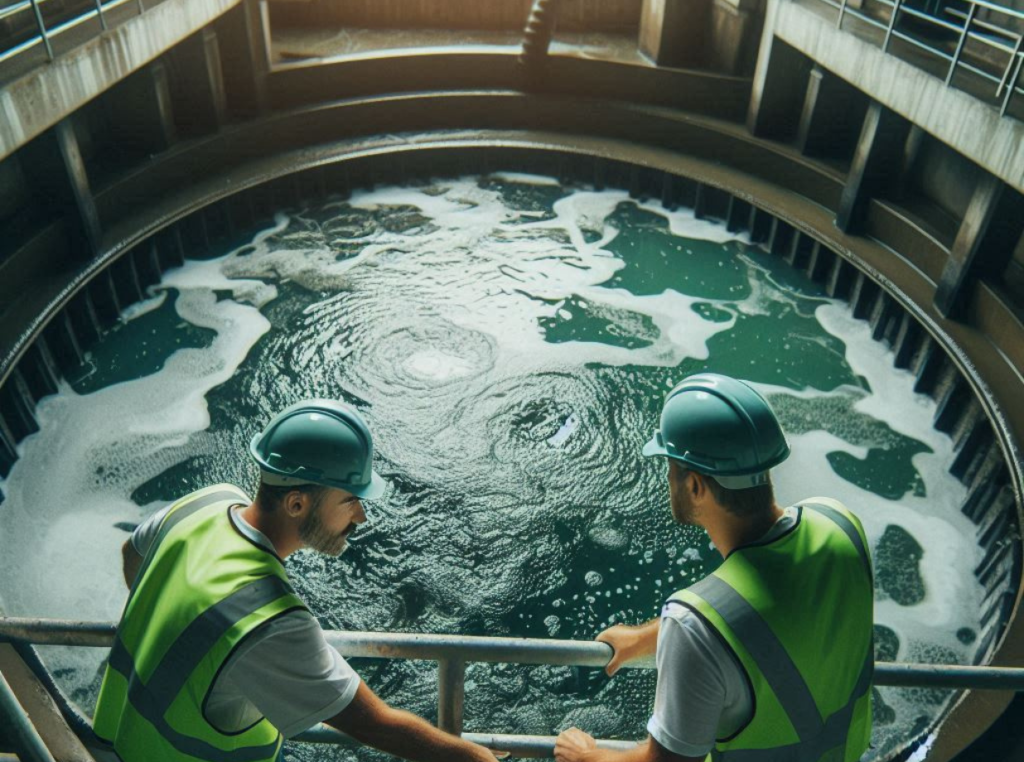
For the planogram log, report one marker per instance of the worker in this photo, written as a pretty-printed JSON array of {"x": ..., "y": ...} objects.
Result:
[
  {"x": 216, "y": 658},
  {"x": 770, "y": 657}
]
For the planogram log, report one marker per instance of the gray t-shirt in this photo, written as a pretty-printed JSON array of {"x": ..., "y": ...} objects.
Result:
[
  {"x": 284, "y": 670},
  {"x": 702, "y": 692}
]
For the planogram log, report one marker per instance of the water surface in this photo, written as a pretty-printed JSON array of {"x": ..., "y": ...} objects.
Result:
[{"x": 510, "y": 342}]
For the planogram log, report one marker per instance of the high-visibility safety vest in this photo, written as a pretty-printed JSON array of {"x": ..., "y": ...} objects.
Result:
[
  {"x": 202, "y": 588},
  {"x": 797, "y": 613}
]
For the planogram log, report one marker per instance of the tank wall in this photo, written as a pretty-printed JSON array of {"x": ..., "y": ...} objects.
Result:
[
  {"x": 52, "y": 274},
  {"x": 573, "y": 15},
  {"x": 944, "y": 177}
]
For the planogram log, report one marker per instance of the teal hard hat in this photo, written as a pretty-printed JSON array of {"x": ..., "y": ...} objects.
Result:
[
  {"x": 719, "y": 426},
  {"x": 321, "y": 442}
]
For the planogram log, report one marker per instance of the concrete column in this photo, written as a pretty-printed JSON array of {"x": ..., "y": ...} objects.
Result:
[
  {"x": 881, "y": 147},
  {"x": 201, "y": 105},
  {"x": 779, "y": 90},
  {"x": 675, "y": 32},
  {"x": 78, "y": 179},
  {"x": 832, "y": 114},
  {"x": 984, "y": 244},
  {"x": 245, "y": 60},
  {"x": 141, "y": 111},
  {"x": 735, "y": 29}
]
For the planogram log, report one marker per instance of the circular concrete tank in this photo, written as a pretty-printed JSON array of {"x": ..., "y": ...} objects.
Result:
[{"x": 209, "y": 193}]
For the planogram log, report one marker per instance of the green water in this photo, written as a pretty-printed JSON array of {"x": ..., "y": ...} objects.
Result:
[{"x": 510, "y": 344}]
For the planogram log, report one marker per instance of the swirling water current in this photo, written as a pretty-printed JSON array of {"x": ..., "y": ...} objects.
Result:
[{"x": 510, "y": 341}]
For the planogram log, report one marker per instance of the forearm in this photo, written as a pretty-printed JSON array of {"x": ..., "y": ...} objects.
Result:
[
  {"x": 639, "y": 753},
  {"x": 406, "y": 735},
  {"x": 647, "y": 637}
]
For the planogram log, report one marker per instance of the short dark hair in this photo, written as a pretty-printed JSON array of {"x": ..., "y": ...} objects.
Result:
[
  {"x": 270, "y": 496},
  {"x": 745, "y": 503}
]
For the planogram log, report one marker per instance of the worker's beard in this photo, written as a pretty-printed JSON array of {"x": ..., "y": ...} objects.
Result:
[
  {"x": 316, "y": 536},
  {"x": 683, "y": 509}
]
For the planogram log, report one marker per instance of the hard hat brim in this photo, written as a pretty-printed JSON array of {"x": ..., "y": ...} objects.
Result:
[
  {"x": 653, "y": 449},
  {"x": 371, "y": 491}
]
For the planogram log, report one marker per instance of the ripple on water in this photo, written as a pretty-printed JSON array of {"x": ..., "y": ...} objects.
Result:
[{"x": 510, "y": 345}]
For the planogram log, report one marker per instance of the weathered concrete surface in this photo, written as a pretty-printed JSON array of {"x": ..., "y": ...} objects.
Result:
[
  {"x": 966, "y": 124},
  {"x": 40, "y": 99}
]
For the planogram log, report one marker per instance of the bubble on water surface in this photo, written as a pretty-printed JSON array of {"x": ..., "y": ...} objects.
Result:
[{"x": 510, "y": 343}]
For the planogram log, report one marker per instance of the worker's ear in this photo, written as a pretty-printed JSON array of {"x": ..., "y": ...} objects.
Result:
[
  {"x": 295, "y": 503},
  {"x": 698, "y": 487}
]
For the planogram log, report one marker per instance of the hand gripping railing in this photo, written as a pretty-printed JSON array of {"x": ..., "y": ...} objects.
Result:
[{"x": 453, "y": 652}]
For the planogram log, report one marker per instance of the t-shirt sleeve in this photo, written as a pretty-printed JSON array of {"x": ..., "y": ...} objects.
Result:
[
  {"x": 691, "y": 690},
  {"x": 144, "y": 534},
  {"x": 292, "y": 675}
]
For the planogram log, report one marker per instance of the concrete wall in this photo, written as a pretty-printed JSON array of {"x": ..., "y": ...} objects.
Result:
[
  {"x": 969, "y": 126},
  {"x": 573, "y": 15},
  {"x": 944, "y": 177}
]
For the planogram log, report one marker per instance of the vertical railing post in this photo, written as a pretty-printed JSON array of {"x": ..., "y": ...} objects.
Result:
[
  {"x": 1010, "y": 65},
  {"x": 451, "y": 692},
  {"x": 960, "y": 45},
  {"x": 23, "y": 734},
  {"x": 99, "y": 12},
  {"x": 142, "y": 8},
  {"x": 1011, "y": 85},
  {"x": 42, "y": 29},
  {"x": 842, "y": 12},
  {"x": 892, "y": 24}
]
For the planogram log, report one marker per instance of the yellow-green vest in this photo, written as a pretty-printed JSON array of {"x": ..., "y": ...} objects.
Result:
[
  {"x": 797, "y": 613},
  {"x": 202, "y": 588}
]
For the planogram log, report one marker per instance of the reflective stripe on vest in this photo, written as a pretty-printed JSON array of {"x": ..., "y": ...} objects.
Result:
[
  {"x": 821, "y": 713},
  {"x": 202, "y": 588}
]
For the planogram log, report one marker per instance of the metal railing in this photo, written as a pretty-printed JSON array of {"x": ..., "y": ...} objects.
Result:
[
  {"x": 453, "y": 652},
  {"x": 96, "y": 10},
  {"x": 970, "y": 28}
]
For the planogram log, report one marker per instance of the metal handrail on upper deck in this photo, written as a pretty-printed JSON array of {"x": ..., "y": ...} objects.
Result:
[
  {"x": 453, "y": 652},
  {"x": 45, "y": 34},
  {"x": 1006, "y": 84}
]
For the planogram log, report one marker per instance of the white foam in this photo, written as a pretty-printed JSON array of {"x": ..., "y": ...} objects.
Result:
[
  {"x": 525, "y": 179},
  {"x": 144, "y": 307},
  {"x": 949, "y": 558},
  {"x": 138, "y": 429},
  {"x": 60, "y": 549}
]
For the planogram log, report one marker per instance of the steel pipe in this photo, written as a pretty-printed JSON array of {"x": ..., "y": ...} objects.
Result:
[
  {"x": 57, "y": 632},
  {"x": 99, "y": 12},
  {"x": 893, "y": 19},
  {"x": 580, "y": 653},
  {"x": 451, "y": 694},
  {"x": 459, "y": 649},
  {"x": 960, "y": 44},
  {"x": 517, "y": 746},
  {"x": 23, "y": 735},
  {"x": 42, "y": 29},
  {"x": 1011, "y": 87}
]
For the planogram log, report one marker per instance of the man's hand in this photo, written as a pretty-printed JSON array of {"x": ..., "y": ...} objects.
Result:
[
  {"x": 371, "y": 721},
  {"x": 573, "y": 744},
  {"x": 629, "y": 643}
]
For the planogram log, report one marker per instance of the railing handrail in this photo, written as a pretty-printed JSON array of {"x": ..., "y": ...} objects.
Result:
[
  {"x": 453, "y": 652},
  {"x": 45, "y": 33},
  {"x": 1006, "y": 85},
  {"x": 474, "y": 648},
  {"x": 997, "y": 8}
]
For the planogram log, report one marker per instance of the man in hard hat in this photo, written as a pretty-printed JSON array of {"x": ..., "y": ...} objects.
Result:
[
  {"x": 215, "y": 657},
  {"x": 770, "y": 657}
]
